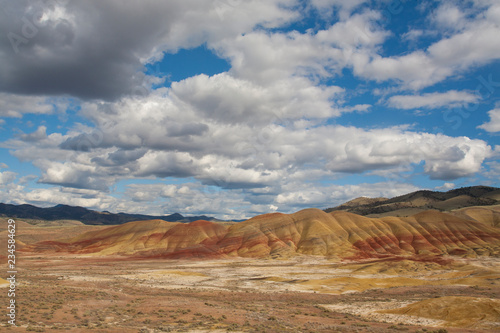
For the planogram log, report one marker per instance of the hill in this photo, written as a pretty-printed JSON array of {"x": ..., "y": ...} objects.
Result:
[
  {"x": 455, "y": 311},
  {"x": 338, "y": 234},
  {"x": 86, "y": 216},
  {"x": 487, "y": 215},
  {"x": 32, "y": 231},
  {"x": 415, "y": 202}
]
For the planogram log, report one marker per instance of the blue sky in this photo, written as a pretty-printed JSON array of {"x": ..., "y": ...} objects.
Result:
[{"x": 235, "y": 108}]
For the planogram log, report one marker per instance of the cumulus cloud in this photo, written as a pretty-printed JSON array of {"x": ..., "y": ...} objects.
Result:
[
  {"x": 259, "y": 154},
  {"x": 265, "y": 58},
  {"x": 7, "y": 177},
  {"x": 73, "y": 174},
  {"x": 463, "y": 158},
  {"x": 450, "y": 16},
  {"x": 98, "y": 49},
  {"x": 226, "y": 99},
  {"x": 334, "y": 195},
  {"x": 494, "y": 124},
  {"x": 190, "y": 199},
  {"x": 493, "y": 172},
  {"x": 47, "y": 197},
  {"x": 474, "y": 44},
  {"x": 12, "y": 192},
  {"x": 446, "y": 187},
  {"x": 39, "y": 134},
  {"x": 12, "y": 105}
]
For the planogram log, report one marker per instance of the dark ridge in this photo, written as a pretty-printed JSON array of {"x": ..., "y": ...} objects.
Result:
[
  {"x": 475, "y": 196},
  {"x": 86, "y": 216}
]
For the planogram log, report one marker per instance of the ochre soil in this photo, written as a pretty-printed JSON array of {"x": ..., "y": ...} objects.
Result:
[{"x": 301, "y": 294}]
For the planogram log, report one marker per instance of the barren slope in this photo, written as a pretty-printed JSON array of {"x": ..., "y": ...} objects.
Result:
[
  {"x": 489, "y": 216},
  {"x": 456, "y": 311},
  {"x": 310, "y": 231},
  {"x": 143, "y": 238},
  {"x": 32, "y": 231}
]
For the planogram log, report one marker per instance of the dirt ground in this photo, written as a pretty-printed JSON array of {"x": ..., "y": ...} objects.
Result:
[{"x": 301, "y": 294}]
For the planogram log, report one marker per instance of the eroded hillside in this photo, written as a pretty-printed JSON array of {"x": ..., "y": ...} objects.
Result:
[{"x": 312, "y": 231}]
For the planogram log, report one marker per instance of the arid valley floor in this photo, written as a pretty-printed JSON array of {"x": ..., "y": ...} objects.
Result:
[{"x": 303, "y": 294}]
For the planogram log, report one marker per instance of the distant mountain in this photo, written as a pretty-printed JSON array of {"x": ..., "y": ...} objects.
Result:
[
  {"x": 415, "y": 202},
  {"x": 84, "y": 215}
]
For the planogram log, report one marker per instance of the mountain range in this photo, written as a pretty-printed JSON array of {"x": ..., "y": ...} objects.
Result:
[{"x": 86, "y": 216}]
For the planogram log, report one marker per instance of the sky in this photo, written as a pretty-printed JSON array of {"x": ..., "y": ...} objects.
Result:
[{"x": 234, "y": 108}]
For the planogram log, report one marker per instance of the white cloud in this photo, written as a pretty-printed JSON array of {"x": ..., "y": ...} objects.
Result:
[
  {"x": 12, "y": 105},
  {"x": 47, "y": 148},
  {"x": 413, "y": 35},
  {"x": 449, "y": 16},
  {"x": 150, "y": 192},
  {"x": 452, "y": 98},
  {"x": 47, "y": 197},
  {"x": 258, "y": 155},
  {"x": 39, "y": 134},
  {"x": 263, "y": 57},
  {"x": 357, "y": 108},
  {"x": 494, "y": 124},
  {"x": 73, "y": 174},
  {"x": 475, "y": 44},
  {"x": 334, "y": 195},
  {"x": 233, "y": 133},
  {"x": 357, "y": 30},
  {"x": 355, "y": 150},
  {"x": 493, "y": 172},
  {"x": 463, "y": 158},
  {"x": 415, "y": 70},
  {"x": 446, "y": 187},
  {"x": 7, "y": 177},
  {"x": 12, "y": 193},
  {"x": 226, "y": 99},
  {"x": 188, "y": 199}
]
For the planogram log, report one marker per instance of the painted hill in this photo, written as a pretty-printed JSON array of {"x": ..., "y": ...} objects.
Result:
[
  {"x": 337, "y": 234},
  {"x": 32, "y": 231},
  {"x": 153, "y": 238},
  {"x": 413, "y": 203},
  {"x": 487, "y": 215},
  {"x": 456, "y": 311},
  {"x": 86, "y": 216}
]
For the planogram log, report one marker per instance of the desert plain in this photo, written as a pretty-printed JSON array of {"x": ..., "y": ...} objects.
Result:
[{"x": 302, "y": 294}]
